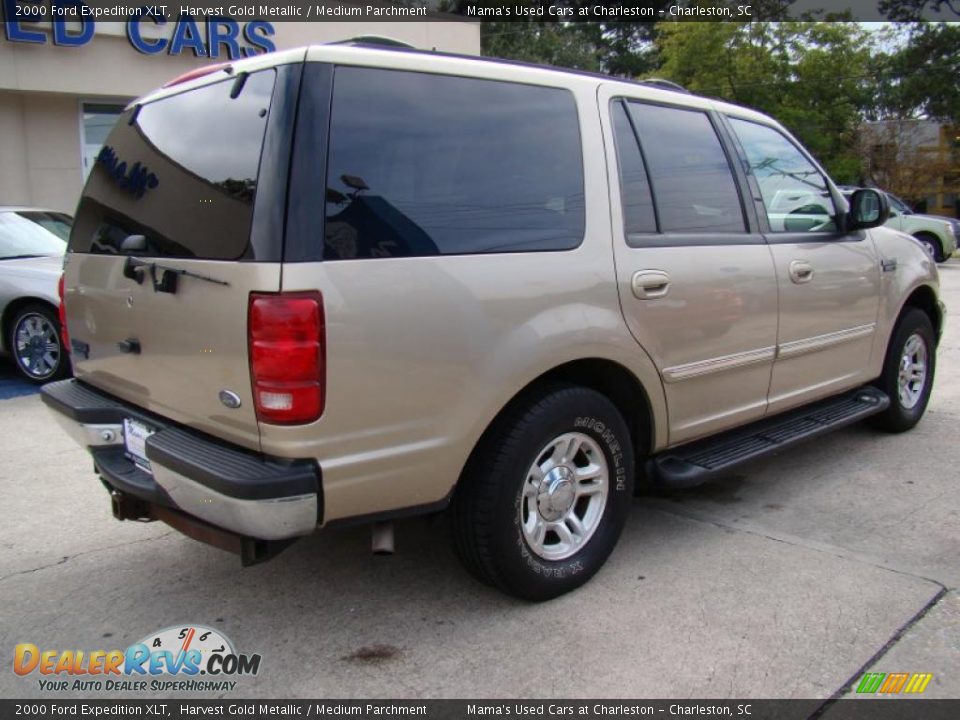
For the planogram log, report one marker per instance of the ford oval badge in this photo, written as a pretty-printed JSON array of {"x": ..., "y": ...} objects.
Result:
[{"x": 230, "y": 399}]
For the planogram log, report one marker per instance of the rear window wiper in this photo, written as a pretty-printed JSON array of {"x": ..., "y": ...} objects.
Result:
[
  {"x": 21, "y": 257},
  {"x": 164, "y": 281}
]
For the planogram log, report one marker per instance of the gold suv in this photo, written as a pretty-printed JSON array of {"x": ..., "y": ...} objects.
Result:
[{"x": 350, "y": 284}]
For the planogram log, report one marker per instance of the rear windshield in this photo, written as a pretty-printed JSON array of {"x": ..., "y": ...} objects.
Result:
[{"x": 177, "y": 177}]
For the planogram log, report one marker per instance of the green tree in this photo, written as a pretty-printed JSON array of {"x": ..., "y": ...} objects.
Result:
[
  {"x": 574, "y": 40},
  {"x": 920, "y": 78},
  {"x": 916, "y": 9},
  {"x": 549, "y": 43},
  {"x": 814, "y": 77}
]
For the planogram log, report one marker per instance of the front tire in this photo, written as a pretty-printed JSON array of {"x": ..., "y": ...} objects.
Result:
[
  {"x": 546, "y": 495},
  {"x": 36, "y": 345},
  {"x": 908, "y": 372}
]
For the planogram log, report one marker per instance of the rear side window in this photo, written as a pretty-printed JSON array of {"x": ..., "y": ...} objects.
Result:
[
  {"x": 638, "y": 214},
  {"x": 692, "y": 180},
  {"x": 424, "y": 164},
  {"x": 181, "y": 172}
]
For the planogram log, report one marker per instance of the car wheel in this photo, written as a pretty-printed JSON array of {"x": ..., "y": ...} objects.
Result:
[
  {"x": 908, "y": 372},
  {"x": 932, "y": 246},
  {"x": 546, "y": 495},
  {"x": 36, "y": 345}
]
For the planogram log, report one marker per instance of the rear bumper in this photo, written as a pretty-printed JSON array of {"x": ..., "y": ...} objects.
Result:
[{"x": 228, "y": 488}]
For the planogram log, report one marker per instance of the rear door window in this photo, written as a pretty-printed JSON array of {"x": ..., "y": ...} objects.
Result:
[
  {"x": 181, "y": 172},
  {"x": 423, "y": 164},
  {"x": 693, "y": 183},
  {"x": 638, "y": 213}
]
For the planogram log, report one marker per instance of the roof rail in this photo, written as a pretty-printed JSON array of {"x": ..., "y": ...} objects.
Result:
[
  {"x": 374, "y": 41},
  {"x": 665, "y": 85},
  {"x": 379, "y": 41}
]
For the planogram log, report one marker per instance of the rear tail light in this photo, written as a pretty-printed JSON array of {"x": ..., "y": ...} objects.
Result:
[
  {"x": 62, "y": 313},
  {"x": 287, "y": 357}
]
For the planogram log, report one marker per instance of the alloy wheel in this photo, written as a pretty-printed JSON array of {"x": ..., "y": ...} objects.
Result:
[
  {"x": 37, "y": 346},
  {"x": 913, "y": 371},
  {"x": 564, "y": 496}
]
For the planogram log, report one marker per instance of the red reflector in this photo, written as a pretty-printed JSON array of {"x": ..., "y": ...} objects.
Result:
[
  {"x": 194, "y": 74},
  {"x": 62, "y": 313},
  {"x": 286, "y": 339},
  {"x": 278, "y": 360}
]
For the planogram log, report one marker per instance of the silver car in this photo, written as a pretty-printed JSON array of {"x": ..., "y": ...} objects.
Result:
[{"x": 32, "y": 244}]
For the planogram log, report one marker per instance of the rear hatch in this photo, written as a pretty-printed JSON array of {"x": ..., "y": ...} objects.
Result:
[{"x": 165, "y": 251}]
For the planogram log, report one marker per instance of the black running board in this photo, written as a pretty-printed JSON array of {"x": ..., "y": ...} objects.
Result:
[{"x": 704, "y": 460}]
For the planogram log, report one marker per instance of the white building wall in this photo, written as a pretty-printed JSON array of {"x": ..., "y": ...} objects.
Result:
[
  {"x": 52, "y": 129},
  {"x": 13, "y": 151}
]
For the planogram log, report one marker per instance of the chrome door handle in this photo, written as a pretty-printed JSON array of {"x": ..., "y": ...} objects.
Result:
[
  {"x": 650, "y": 284},
  {"x": 801, "y": 271}
]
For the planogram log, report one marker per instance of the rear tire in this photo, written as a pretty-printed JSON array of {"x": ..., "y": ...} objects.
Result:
[
  {"x": 546, "y": 495},
  {"x": 36, "y": 344},
  {"x": 908, "y": 372}
]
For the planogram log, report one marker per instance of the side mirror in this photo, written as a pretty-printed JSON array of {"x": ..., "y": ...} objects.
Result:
[{"x": 868, "y": 209}]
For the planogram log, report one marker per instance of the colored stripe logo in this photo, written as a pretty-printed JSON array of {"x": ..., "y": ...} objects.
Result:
[{"x": 894, "y": 683}]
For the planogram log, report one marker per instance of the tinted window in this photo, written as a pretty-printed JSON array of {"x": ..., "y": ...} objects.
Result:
[
  {"x": 794, "y": 192},
  {"x": 692, "y": 180},
  {"x": 428, "y": 164},
  {"x": 638, "y": 212},
  {"x": 181, "y": 171}
]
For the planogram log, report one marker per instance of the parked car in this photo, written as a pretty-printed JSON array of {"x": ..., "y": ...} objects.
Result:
[
  {"x": 898, "y": 206},
  {"x": 937, "y": 234},
  {"x": 32, "y": 243},
  {"x": 349, "y": 284}
]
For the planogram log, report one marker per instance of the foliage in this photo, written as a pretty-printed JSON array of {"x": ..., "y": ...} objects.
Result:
[
  {"x": 812, "y": 77},
  {"x": 822, "y": 80},
  {"x": 915, "y": 9},
  {"x": 546, "y": 43},
  {"x": 573, "y": 39},
  {"x": 920, "y": 78}
]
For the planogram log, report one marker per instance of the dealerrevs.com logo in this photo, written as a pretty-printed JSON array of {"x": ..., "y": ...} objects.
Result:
[{"x": 177, "y": 659}]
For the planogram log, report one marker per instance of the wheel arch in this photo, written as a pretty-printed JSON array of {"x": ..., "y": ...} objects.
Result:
[
  {"x": 607, "y": 377},
  {"x": 924, "y": 298}
]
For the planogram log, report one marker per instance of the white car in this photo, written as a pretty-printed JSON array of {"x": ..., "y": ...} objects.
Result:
[
  {"x": 32, "y": 244},
  {"x": 938, "y": 235}
]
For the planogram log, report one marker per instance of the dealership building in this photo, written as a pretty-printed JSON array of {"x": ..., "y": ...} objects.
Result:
[{"x": 64, "y": 82}]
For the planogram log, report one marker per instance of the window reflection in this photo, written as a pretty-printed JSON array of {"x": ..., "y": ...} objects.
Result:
[
  {"x": 427, "y": 164},
  {"x": 181, "y": 171},
  {"x": 794, "y": 192}
]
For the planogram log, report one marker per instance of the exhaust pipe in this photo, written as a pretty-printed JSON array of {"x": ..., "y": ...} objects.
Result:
[{"x": 382, "y": 538}]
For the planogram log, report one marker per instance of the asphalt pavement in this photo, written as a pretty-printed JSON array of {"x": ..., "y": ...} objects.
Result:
[{"x": 790, "y": 579}]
